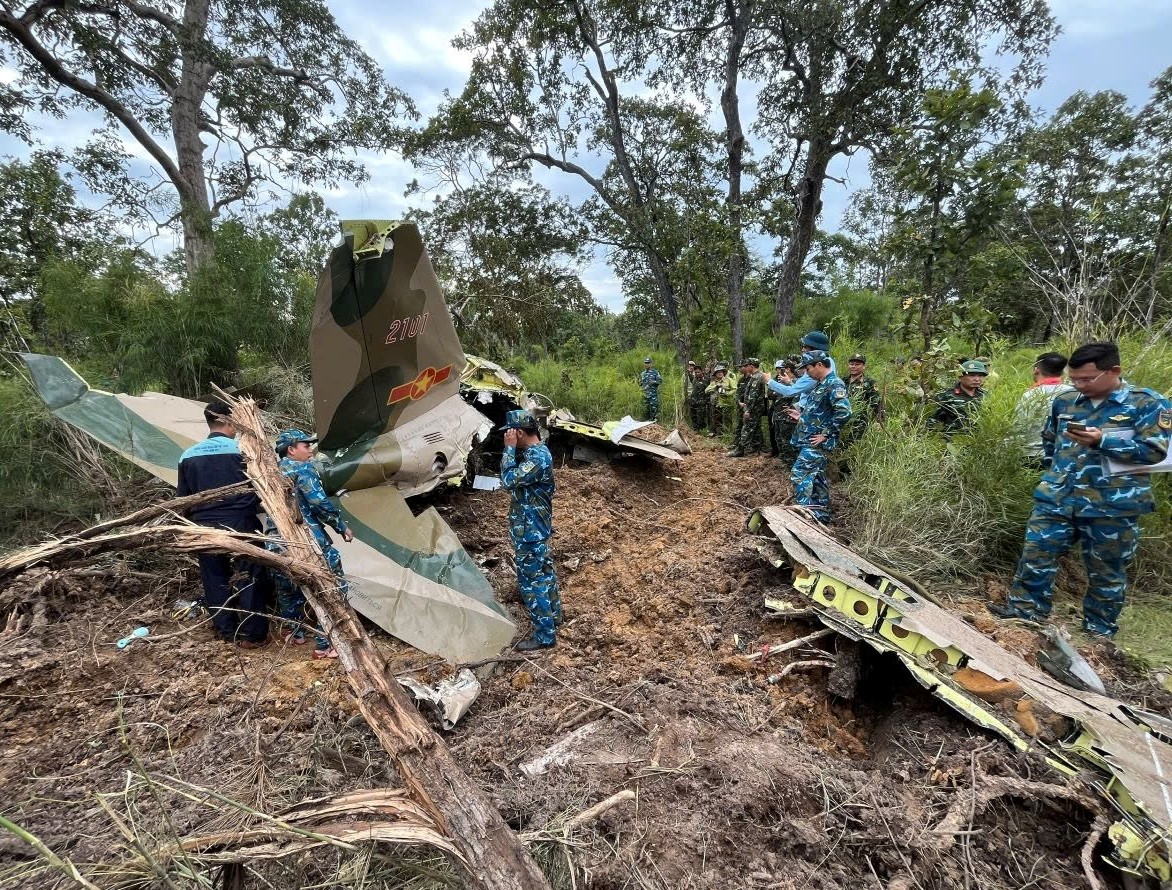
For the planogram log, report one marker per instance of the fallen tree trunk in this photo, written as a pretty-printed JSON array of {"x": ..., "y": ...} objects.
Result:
[{"x": 492, "y": 855}]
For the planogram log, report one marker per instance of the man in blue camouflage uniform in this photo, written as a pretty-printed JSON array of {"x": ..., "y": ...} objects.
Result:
[
  {"x": 824, "y": 412},
  {"x": 1077, "y": 501},
  {"x": 294, "y": 447},
  {"x": 649, "y": 382},
  {"x": 529, "y": 482}
]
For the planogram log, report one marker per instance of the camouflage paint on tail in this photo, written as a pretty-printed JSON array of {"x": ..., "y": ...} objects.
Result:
[{"x": 384, "y": 349}]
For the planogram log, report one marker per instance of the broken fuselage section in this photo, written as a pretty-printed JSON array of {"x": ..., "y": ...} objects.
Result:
[{"x": 1123, "y": 752}]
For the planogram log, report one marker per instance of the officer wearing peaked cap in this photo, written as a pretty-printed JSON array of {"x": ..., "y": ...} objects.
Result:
[
  {"x": 294, "y": 448},
  {"x": 527, "y": 475},
  {"x": 751, "y": 401},
  {"x": 650, "y": 381},
  {"x": 955, "y": 407}
]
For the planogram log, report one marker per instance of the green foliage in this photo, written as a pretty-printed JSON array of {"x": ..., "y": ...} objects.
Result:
[
  {"x": 599, "y": 392},
  {"x": 249, "y": 305},
  {"x": 41, "y": 484}
]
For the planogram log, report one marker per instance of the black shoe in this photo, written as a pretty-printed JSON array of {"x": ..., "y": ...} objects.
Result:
[
  {"x": 734, "y": 453},
  {"x": 1004, "y": 610},
  {"x": 533, "y": 643}
]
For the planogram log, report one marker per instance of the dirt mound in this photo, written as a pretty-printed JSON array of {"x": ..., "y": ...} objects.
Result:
[{"x": 738, "y": 782}]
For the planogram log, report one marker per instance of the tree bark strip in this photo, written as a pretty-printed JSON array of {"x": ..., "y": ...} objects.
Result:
[{"x": 493, "y": 856}]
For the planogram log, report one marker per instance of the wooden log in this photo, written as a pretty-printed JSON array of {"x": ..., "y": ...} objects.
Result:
[{"x": 492, "y": 856}]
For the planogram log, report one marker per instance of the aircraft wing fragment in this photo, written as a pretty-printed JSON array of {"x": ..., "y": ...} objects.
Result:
[
  {"x": 597, "y": 437},
  {"x": 409, "y": 574},
  {"x": 1123, "y": 752}
]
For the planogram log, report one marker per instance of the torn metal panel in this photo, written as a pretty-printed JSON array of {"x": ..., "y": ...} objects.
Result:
[
  {"x": 450, "y": 699},
  {"x": 598, "y": 438},
  {"x": 1123, "y": 753}
]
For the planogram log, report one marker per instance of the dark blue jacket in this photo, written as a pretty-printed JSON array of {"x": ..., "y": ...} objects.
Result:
[{"x": 214, "y": 463}]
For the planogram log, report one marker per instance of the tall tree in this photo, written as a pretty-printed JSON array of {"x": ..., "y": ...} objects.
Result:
[
  {"x": 280, "y": 90},
  {"x": 852, "y": 70},
  {"x": 558, "y": 85}
]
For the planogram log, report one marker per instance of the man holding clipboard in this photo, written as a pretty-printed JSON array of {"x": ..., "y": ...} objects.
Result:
[{"x": 1101, "y": 443}]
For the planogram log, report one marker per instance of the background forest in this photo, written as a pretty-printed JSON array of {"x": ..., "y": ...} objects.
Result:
[{"x": 688, "y": 142}]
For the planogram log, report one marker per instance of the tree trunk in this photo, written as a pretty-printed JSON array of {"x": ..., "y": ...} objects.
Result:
[
  {"x": 493, "y": 856},
  {"x": 186, "y": 110},
  {"x": 808, "y": 201},
  {"x": 738, "y": 15}
]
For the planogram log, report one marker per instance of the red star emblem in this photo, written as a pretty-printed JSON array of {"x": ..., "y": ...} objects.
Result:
[{"x": 419, "y": 387}]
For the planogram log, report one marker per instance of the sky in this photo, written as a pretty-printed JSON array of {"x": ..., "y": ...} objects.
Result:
[{"x": 1105, "y": 44}]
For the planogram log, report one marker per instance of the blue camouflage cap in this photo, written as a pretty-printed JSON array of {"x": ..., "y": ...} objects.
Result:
[
  {"x": 813, "y": 357},
  {"x": 519, "y": 420},
  {"x": 291, "y": 437}
]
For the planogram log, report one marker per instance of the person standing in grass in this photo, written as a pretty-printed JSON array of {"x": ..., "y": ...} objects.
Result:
[
  {"x": 295, "y": 450},
  {"x": 697, "y": 397},
  {"x": 1033, "y": 408},
  {"x": 955, "y": 407},
  {"x": 650, "y": 381},
  {"x": 1077, "y": 500},
  {"x": 528, "y": 478},
  {"x": 825, "y": 411}
]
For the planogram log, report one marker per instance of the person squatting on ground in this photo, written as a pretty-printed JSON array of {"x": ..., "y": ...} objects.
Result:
[
  {"x": 1077, "y": 501},
  {"x": 955, "y": 407},
  {"x": 752, "y": 405},
  {"x": 650, "y": 381},
  {"x": 825, "y": 410},
  {"x": 721, "y": 393},
  {"x": 238, "y": 610},
  {"x": 295, "y": 450},
  {"x": 529, "y": 482}
]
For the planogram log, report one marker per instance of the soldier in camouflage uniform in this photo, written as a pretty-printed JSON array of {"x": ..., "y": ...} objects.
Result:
[
  {"x": 698, "y": 397},
  {"x": 721, "y": 399},
  {"x": 294, "y": 449},
  {"x": 751, "y": 402},
  {"x": 955, "y": 407},
  {"x": 529, "y": 482},
  {"x": 1077, "y": 501},
  {"x": 781, "y": 425},
  {"x": 825, "y": 410},
  {"x": 650, "y": 381}
]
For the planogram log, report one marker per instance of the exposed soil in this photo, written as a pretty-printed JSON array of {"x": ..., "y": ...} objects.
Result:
[{"x": 739, "y": 782}]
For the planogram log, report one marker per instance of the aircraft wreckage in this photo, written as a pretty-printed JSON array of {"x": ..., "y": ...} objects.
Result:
[
  {"x": 399, "y": 409},
  {"x": 1125, "y": 753}
]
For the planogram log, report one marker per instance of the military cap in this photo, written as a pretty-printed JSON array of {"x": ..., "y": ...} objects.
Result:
[
  {"x": 289, "y": 438},
  {"x": 817, "y": 340},
  {"x": 813, "y": 357},
  {"x": 779, "y": 364},
  {"x": 793, "y": 359},
  {"x": 756, "y": 363},
  {"x": 974, "y": 367},
  {"x": 647, "y": 360},
  {"x": 857, "y": 357},
  {"x": 519, "y": 419},
  {"x": 720, "y": 368}
]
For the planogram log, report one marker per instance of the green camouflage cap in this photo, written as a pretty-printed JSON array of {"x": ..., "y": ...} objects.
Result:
[
  {"x": 974, "y": 367},
  {"x": 291, "y": 437}
]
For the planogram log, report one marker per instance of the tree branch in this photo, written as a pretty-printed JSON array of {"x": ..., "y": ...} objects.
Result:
[{"x": 53, "y": 66}]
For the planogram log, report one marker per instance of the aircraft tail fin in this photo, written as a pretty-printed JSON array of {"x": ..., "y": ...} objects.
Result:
[{"x": 383, "y": 345}]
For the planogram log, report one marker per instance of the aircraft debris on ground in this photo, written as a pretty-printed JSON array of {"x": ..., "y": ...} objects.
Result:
[
  {"x": 1123, "y": 752},
  {"x": 400, "y": 410}
]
